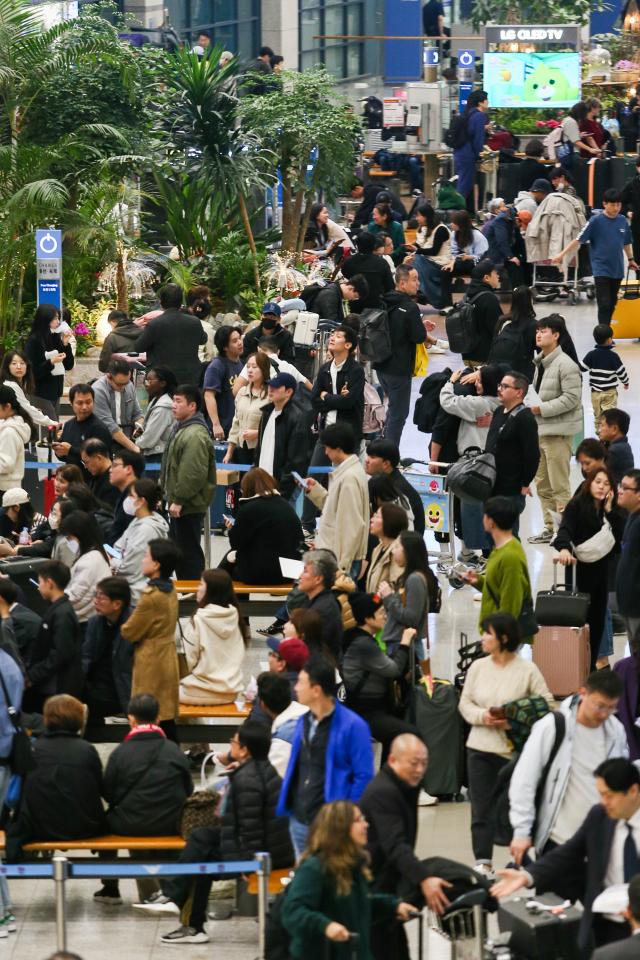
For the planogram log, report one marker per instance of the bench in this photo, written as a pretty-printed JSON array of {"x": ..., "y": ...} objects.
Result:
[
  {"x": 275, "y": 882},
  {"x": 223, "y": 721},
  {"x": 266, "y": 599},
  {"x": 107, "y": 843}
]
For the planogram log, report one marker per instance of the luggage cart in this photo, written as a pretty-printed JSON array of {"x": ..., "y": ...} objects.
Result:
[
  {"x": 570, "y": 285},
  {"x": 438, "y": 506}
]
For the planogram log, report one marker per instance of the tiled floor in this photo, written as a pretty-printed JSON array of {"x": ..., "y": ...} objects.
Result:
[{"x": 99, "y": 933}]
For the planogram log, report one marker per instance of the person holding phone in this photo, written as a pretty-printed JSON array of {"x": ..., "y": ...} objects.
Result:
[{"x": 49, "y": 353}]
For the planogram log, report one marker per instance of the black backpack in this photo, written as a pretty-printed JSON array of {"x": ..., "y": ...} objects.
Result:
[
  {"x": 374, "y": 338},
  {"x": 310, "y": 293},
  {"x": 428, "y": 403},
  {"x": 462, "y": 327},
  {"x": 508, "y": 348},
  {"x": 456, "y": 136}
]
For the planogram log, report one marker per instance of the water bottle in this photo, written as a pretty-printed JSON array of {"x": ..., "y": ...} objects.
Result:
[{"x": 24, "y": 539}]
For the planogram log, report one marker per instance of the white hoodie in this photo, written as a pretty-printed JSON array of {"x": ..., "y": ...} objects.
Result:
[
  {"x": 214, "y": 650},
  {"x": 14, "y": 433}
]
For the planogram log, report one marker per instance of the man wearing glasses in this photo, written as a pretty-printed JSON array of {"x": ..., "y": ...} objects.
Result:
[
  {"x": 628, "y": 572},
  {"x": 513, "y": 440}
]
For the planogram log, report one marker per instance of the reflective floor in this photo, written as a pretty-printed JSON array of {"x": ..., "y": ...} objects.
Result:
[{"x": 103, "y": 933}]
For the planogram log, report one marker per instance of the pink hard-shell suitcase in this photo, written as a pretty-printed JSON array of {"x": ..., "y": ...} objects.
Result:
[{"x": 563, "y": 656}]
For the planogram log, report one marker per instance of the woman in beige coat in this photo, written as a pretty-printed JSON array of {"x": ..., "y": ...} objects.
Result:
[
  {"x": 387, "y": 523},
  {"x": 243, "y": 435},
  {"x": 152, "y": 628},
  {"x": 214, "y": 643}
]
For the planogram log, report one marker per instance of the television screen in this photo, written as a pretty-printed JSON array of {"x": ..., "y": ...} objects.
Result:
[{"x": 532, "y": 79}]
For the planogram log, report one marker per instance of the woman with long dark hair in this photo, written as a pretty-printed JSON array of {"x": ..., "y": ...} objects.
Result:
[
  {"x": 324, "y": 234},
  {"x": 49, "y": 353},
  {"x": 15, "y": 431},
  {"x": 468, "y": 246},
  {"x": 515, "y": 337},
  {"x": 214, "y": 640},
  {"x": 84, "y": 539},
  {"x": 589, "y": 535},
  {"x": 431, "y": 250},
  {"x": 406, "y": 602},
  {"x": 249, "y": 402},
  {"x": 333, "y": 882},
  {"x": 15, "y": 372}
]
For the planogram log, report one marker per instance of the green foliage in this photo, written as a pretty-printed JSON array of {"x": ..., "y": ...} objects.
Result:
[
  {"x": 524, "y": 121},
  {"x": 84, "y": 321},
  {"x": 535, "y": 11}
]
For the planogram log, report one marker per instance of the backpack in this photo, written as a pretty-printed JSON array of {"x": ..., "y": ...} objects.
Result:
[
  {"x": 374, "y": 339},
  {"x": 462, "y": 327},
  {"x": 310, "y": 293},
  {"x": 508, "y": 347},
  {"x": 456, "y": 136},
  {"x": 375, "y": 412},
  {"x": 428, "y": 403},
  {"x": 434, "y": 591},
  {"x": 473, "y": 476}
]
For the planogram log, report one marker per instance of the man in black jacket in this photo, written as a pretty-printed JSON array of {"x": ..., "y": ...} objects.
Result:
[
  {"x": 283, "y": 435},
  {"x": 390, "y": 804},
  {"x": 375, "y": 270},
  {"x": 55, "y": 662},
  {"x": 326, "y": 298},
  {"x": 485, "y": 280},
  {"x": 249, "y": 825},
  {"x": 84, "y": 425},
  {"x": 26, "y": 623},
  {"x": 270, "y": 326},
  {"x": 107, "y": 659},
  {"x": 172, "y": 339},
  {"x": 407, "y": 330},
  {"x": 382, "y": 459},
  {"x": 604, "y": 851},
  {"x": 316, "y": 582},
  {"x": 126, "y": 467},
  {"x": 96, "y": 459},
  {"x": 146, "y": 782},
  {"x": 337, "y": 396},
  {"x": 513, "y": 440},
  {"x": 628, "y": 570}
]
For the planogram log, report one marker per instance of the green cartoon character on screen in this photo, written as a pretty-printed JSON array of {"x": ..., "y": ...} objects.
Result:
[{"x": 548, "y": 84}]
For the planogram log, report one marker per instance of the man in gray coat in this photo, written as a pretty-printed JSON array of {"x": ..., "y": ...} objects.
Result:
[
  {"x": 558, "y": 383},
  {"x": 116, "y": 404}
]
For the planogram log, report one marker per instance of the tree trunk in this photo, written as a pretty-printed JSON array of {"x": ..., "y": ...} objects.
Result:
[
  {"x": 289, "y": 223},
  {"x": 244, "y": 213},
  {"x": 122, "y": 297}
]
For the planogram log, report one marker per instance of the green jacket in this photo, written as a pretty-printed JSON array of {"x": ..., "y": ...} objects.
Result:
[
  {"x": 311, "y": 903},
  {"x": 507, "y": 575},
  {"x": 188, "y": 472}
]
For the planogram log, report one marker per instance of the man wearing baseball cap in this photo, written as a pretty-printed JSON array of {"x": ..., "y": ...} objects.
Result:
[
  {"x": 287, "y": 657},
  {"x": 270, "y": 326},
  {"x": 284, "y": 437}
]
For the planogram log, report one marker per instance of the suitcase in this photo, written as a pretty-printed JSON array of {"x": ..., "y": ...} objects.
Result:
[
  {"x": 434, "y": 711},
  {"x": 539, "y": 934},
  {"x": 22, "y": 570},
  {"x": 626, "y": 316},
  {"x": 560, "y": 607},
  {"x": 563, "y": 656},
  {"x": 306, "y": 328}
]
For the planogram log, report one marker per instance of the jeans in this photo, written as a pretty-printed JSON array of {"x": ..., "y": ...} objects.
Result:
[
  {"x": 483, "y": 772},
  {"x": 298, "y": 833},
  {"x": 606, "y": 643},
  {"x": 309, "y": 509},
  {"x": 606, "y": 296},
  {"x": 398, "y": 389},
  {"x": 552, "y": 478},
  {"x": 430, "y": 280},
  {"x": 186, "y": 533}
]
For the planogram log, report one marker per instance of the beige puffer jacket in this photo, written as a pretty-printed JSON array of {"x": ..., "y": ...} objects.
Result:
[{"x": 560, "y": 395}]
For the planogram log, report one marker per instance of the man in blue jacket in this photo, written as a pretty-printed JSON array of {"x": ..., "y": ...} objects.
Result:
[
  {"x": 465, "y": 156},
  {"x": 331, "y": 756}
]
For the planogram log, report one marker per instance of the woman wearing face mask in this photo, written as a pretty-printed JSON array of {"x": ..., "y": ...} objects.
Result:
[
  {"x": 83, "y": 539},
  {"x": 15, "y": 373},
  {"x": 49, "y": 353},
  {"x": 141, "y": 503},
  {"x": 591, "y": 510},
  {"x": 243, "y": 435},
  {"x": 159, "y": 382},
  {"x": 47, "y": 541}
]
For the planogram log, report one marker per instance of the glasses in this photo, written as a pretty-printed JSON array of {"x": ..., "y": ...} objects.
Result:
[
  {"x": 506, "y": 386},
  {"x": 277, "y": 656},
  {"x": 624, "y": 486}
]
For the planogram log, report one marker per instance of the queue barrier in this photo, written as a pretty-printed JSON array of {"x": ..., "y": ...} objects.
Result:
[{"x": 62, "y": 869}]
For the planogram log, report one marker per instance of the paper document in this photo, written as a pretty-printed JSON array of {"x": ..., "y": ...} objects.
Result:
[
  {"x": 291, "y": 568},
  {"x": 614, "y": 899}
]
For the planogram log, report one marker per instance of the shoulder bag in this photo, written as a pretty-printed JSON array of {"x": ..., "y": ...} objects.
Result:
[
  {"x": 526, "y": 618},
  {"x": 596, "y": 547},
  {"x": 21, "y": 758}
]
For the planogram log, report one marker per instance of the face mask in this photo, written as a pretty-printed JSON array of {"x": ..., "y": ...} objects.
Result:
[
  {"x": 129, "y": 506},
  {"x": 560, "y": 187},
  {"x": 54, "y": 521},
  {"x": 269, "y": 323},
  {"x": 73, "y": 545}
]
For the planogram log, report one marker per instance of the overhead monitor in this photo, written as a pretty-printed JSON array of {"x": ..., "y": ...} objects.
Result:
[{"x": 532, "y": 79}]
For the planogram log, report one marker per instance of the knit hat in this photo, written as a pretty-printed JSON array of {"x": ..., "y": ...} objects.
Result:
[
  {"x": 14, "y": 497},
  {"x": 364, "y": 605}
]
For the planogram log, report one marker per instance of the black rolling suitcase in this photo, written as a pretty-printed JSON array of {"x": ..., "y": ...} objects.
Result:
[
  {"x": 24, "y": 573},
  {"x": 508, "y": 181},
  {"x": 538, "y": 934}
]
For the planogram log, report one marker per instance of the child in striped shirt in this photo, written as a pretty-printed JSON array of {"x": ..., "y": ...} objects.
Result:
[{"x": 605, "y": 369}]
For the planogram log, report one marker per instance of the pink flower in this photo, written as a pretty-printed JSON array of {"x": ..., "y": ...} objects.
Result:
[{"x": 82, "y": 330}]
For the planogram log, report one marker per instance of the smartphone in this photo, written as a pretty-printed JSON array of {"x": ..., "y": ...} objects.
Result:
[
  {"x": 299, "y": 480},
  {"x": 498, "y": 713},
  {"x": 116, "y": 554},
  {"x": 231, "y": 520}
]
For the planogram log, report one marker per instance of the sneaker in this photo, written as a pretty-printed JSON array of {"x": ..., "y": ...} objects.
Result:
[
  {"x": 10, "y": 922},
  {"x": 158, "y": 903},
  {"x": 426, "y": 800},
  {"x": 443, "y": 344},
  {"x": 185, "y": 935},
  {"x": 273, "y": 630},
  {"x": 485, "y": 870},
  {"x": 467, "y": 558},
  {"x": 4, "y": 929},
  {"x": 221, "y": 913},
  {"x": 435, "y": 348},
  {"x": 107, "y": 896},
  {"x": 545, "y": 537}
]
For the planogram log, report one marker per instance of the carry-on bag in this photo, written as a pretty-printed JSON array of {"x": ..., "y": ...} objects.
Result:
[
  {"x": 537, "y": 933},
  {"x": 626, "y": 315},
  {"x": 561, "y": 607},
  {"x": 563, "y": 656},
  {"x": 433, "y": 709},
  {"x": 24, "y": 573}
]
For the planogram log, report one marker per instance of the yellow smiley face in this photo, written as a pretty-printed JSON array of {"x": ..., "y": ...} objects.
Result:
[{"x": 434, "y": 516}]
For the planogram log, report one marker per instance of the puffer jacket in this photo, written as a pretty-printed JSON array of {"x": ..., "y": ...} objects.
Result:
[
  {"x": 14, "y": 433},
  {"x": 133, "y": 544},
  {"x": 249, "y": 821},
  {"x": 214, "y": 650},
  {"x": 367, "y": 671},
  {"x": 557, "y": 221},
  {"x": 188, "y": 472},
  {"x": 468, "y": 409},
  {"x": 560, "y": 393}
]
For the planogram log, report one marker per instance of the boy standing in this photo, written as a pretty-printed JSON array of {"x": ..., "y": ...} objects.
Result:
[
  {"x": 613, "y": 430},
  {"x": 609, "y": 236},
  {"x": 605, "y": 369}
]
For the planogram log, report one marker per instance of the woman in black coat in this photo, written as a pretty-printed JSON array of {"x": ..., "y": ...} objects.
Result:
[
  {"x": 266, "y": 528},
  {"x": 61, "y": 798},
  {"x": 593, "y": 504},
  {"x": 49, "y": 353}
]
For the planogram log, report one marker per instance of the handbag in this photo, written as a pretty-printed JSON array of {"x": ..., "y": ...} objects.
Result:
[
  {"x": 560, "y": 607},
  {"x": 597, "y": 546},
  {"x": 201, "y": 808},
  {"x": 526, "y": 618},
  {"x": 473, "y": 476},
  {"x": 421, "y": 361},
  {"x": 21, "y": 758}
]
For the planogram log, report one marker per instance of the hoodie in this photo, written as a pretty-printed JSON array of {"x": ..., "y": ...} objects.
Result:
[
  {"x": 133, "y": 544},
  {"x": 214, "y": 650},
  {"x": 121, "y": 340},
  {"x": 157, "y": 427},
  {"x": 188, "y": 472},
  {"x": 14, "y": 433},
  {"x": 406, "y": 328}
]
